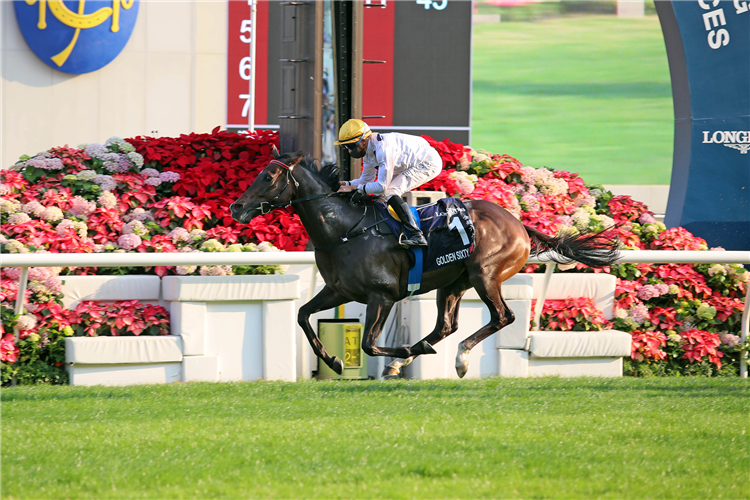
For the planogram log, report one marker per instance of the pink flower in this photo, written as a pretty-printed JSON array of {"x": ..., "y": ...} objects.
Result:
[
  {"x": 129, "y": 241},
  {"x": 38, "y": 274},
  {"x": 8, "y": 349},
  {"x": 54, "y": 285},
  {"x": 80, "y": 207},
  {"x": 64, "y": 226},
  {"x": 647, "y": 218},
  {"x": 13, "y": 273},
  {"x": 639, "y": 313},
  {"x": 647, "y": 292}
]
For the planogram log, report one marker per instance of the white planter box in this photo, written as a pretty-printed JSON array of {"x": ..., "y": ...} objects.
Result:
[
  {"x": 242, "y": 326},
  {"x": 223, "y": 328}
]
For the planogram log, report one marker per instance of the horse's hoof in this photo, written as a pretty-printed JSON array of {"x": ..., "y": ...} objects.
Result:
[
  {"x": 337, "y": 365},
  {"x": 462, "y": 361},
  {"x": 390, "y": 372},
  {"x": 427, "y": 348}
]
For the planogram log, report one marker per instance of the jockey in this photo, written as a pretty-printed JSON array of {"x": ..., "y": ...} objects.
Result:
[{"x": 402, "y": 162}]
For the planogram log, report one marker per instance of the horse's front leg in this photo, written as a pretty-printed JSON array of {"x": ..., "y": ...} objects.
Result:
[
  {"x": 327, "y": 298},
  {"x": 376, "y": 316}
]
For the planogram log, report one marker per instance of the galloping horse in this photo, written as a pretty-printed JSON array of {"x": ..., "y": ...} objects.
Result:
[{"x": 361, "y": 264}]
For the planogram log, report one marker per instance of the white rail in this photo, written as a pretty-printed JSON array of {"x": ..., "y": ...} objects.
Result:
[{"x": 27, "y": 260}]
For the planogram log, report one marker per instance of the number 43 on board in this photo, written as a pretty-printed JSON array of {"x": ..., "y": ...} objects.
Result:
[{"x": 435, "y": 5}]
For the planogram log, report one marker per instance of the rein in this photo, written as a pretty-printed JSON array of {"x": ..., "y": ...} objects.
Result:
[{"x": 267, "y": 206}]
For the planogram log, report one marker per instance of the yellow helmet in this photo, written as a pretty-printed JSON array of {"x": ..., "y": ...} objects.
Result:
[{"x": 352, "y": 131}]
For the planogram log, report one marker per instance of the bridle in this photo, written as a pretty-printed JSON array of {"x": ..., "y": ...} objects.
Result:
[{"x": 267, "y": 206}]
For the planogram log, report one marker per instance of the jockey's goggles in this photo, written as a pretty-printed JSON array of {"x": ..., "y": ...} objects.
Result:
[{"x": 353, "y": 145}]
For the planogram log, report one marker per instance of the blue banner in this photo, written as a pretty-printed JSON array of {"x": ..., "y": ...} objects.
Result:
[{"x": 708, "y": 46}]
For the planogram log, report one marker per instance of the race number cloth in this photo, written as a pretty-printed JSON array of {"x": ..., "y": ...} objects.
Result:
[{"x": 449, "y": 231}]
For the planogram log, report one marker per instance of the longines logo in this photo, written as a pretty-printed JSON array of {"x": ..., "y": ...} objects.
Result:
[
  {"x": 736, "y": 139},
  {"x": 76, "y": 36}
]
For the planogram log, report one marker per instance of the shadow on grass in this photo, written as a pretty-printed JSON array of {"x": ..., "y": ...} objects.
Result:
[{"x": 636, "y": 90}]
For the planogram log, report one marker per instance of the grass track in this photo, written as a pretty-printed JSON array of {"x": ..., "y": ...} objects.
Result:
[
  {"x": 494, "y": 438},
  {"x": 587, "y": 94}
]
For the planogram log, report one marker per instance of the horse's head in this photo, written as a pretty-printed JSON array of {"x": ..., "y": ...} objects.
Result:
[{"x": 274, "y": 187}]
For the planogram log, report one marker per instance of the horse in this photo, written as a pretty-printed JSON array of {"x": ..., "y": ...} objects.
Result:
[{"x": 360, "y": 263}]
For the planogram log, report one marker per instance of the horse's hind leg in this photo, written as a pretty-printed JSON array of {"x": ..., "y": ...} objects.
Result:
[
  {"x": 325, "y": 299},
  {"x": 500, "y": 316},
  {"x": 448, "y": 301}
]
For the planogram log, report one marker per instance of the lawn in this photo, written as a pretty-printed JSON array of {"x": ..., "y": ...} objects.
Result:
[
  {"x": 495, "y": 438},
  {"x": 588, "y": 94}
]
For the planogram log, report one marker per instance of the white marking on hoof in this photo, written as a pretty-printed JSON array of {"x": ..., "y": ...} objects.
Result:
[{"x": 462, "y": 360}]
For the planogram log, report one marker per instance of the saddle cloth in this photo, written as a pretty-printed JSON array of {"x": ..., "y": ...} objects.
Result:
[{"x": 449, "y": 231}]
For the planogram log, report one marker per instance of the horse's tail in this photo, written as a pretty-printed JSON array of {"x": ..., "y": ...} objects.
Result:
[{"x": 593, "y": 249}]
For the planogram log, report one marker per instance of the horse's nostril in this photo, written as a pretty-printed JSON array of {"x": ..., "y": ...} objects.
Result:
[{"x": 234, "y": 207}]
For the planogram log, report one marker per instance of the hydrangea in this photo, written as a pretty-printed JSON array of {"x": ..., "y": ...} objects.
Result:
[
  {"x": 674, "y": 336},
  {"x": 216, "y": 271},
  {"x": 18, "y": 218},
  {"x": 150, "y": 172},
  {"x": 51, "y": 214},
  {"x": 639, "y": 313},
  {"x": 136, "y": 158},
  {"x": 674, "y": 289},
  {"x": 122, "y": 145},
  {"x": 135, "y": 227},
  {"x": 647, "y": 292},
  {"x": 179, "y": 234},
  {"x": 705, "y": 311},
  {"x": 235, "y": 247},
  {"x": 129, "y": 241},
  {"x": 38, "y": 274},
  {"x": 81, "y": 207},
  {"x": 153, "y": 181},
  {"x": 45, "y": 163},
  {"x": 717, "y": 269},
  {"x": 730, "y": 340},
  {"x": 169, "y": 176},
  {"x": 647, "y": 218},
  {"x": 86, "y": 175},
  {"x": 185, "y": 270},
  {"x": 64, "y": 226},
  {"x": 107, "y": 199},
  {"x": 105, "y": 182},
  {"x": 582, "y": 216},
  {"x": 212, "y": 245},
  {"x": 9, "y": 206},
  {"x": 197, "y": 234},
  {"x": 54, "y": 285},
  {"x": 15, "y": 246},
  {"x": 26, "y": 322},
  {"x": 34, "y": 208},
  {"x": 267, "y": 246},
  {"x": 12, "y": 273},
  {"x": 96, "y": 150}
]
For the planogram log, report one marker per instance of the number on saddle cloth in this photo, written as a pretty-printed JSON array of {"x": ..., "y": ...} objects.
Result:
[{"x": 449, "y": 231}]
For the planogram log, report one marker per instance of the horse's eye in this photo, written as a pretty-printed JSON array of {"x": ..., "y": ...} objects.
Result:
[{"x": 269, "y": 178}]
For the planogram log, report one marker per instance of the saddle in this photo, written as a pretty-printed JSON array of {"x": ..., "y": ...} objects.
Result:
[{"x": 449, "y": 231}]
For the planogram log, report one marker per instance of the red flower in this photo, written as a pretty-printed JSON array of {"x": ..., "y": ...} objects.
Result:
[
  {"x": 698, "y": 344},
  {"x": 8, "y": 349},
  {"x": 647, "y": 345}
]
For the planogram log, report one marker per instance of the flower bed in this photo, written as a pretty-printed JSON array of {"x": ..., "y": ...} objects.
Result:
[{"x": 172, "y": 195}]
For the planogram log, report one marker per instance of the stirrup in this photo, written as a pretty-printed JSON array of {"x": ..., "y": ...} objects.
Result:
[{"x": 411, "y": 242}]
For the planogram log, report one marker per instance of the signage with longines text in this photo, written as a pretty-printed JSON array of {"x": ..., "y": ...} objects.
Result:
[{"x": 708, "y": 45}]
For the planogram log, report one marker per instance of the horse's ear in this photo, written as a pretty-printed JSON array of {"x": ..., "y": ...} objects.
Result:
[
  {"x": 275, "y": 152},
  {"x": 299, "y": 156}
]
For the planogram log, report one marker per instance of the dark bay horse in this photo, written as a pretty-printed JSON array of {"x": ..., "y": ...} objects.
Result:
[{"x": 372, "y": 268}]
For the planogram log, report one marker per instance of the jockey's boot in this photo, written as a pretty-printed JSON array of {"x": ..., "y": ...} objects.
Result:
[{"x": 416, "y": 238}]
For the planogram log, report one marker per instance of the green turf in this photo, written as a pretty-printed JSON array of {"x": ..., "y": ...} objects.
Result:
[
  {"x": 495, "y": 438},
  {"x": 587, "y": 94}
]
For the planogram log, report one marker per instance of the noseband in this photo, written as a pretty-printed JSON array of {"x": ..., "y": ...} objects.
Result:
[{"x": 266, "y": 206}]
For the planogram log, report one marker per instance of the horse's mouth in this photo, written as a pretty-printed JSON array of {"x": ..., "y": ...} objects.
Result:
[{"x": 245, "y": 215}]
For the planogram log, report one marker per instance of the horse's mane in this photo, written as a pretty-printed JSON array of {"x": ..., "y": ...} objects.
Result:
[{"x": 327, "y": 173}]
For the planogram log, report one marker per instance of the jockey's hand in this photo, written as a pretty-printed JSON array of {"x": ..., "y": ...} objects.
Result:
[{"x": 344, "y": 187}]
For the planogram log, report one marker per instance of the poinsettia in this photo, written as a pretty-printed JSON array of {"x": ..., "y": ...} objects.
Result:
[{"x": 699, "y": 344}]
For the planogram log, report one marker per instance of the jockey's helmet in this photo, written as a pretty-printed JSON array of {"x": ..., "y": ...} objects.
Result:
[{"x": 352, "y": 131}]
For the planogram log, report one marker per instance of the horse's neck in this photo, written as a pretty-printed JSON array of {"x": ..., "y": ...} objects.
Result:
[{"x": 326, "y": 219}]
